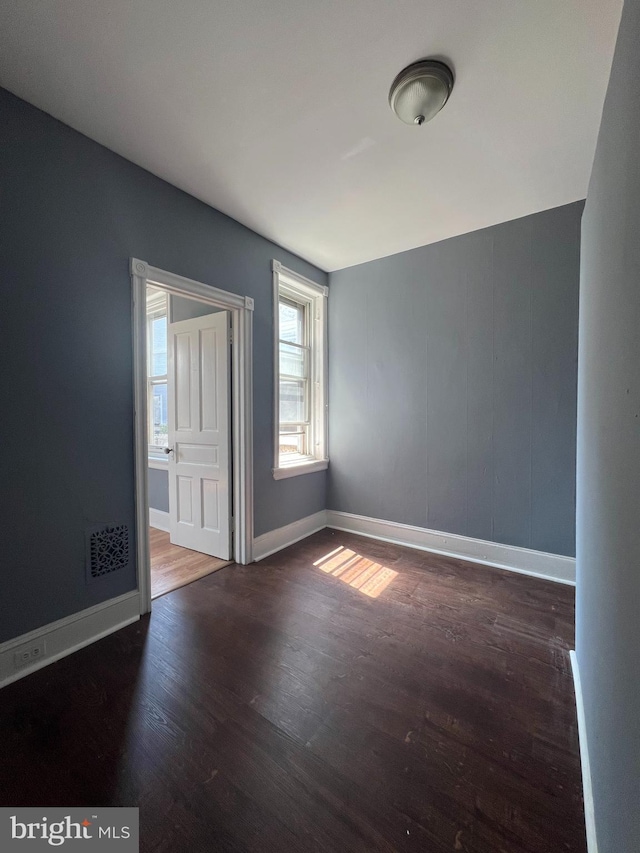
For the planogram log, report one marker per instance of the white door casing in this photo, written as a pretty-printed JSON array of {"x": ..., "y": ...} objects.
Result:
[
  {"x": 198, "y": 427},
  {"x": 240, "y": 309}
]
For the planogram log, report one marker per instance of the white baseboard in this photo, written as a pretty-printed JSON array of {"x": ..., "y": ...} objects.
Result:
[
  {"x": 159, "y": 519},
  {"x": 67, "y": 635},
  {"x": 589, "y": 813},
  {"x": 276, "y": 540},
  {"x": 523, "y": 560}
]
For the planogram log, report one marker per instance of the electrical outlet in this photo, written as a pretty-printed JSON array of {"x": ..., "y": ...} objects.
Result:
[{"x": 28, "y": 654}]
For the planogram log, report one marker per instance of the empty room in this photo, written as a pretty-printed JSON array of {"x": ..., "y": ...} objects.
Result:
[{"x": 321, "y": 430}]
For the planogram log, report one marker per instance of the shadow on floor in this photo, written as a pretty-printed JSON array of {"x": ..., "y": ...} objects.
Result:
[{"x": 64, "y": 729}]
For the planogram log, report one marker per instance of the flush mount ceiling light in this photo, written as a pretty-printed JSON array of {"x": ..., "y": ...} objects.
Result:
[{"x": 420, "y": 91}]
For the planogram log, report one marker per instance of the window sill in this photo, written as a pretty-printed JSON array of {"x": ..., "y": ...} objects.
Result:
[
  {"x": 161, "y": 462},
  {"x": 300, "y": 468}
]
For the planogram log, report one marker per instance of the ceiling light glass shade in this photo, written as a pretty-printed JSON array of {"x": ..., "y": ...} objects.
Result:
[{"x": 420, "y": 91}]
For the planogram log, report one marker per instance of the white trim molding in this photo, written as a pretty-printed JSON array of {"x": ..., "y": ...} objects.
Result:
[
  {"x": 275, "y": 540},
  {"x": 552, "y": 567},
  {"x": 59, "y": 639},
  {"x": 241, "y": 310},
  {"x": 523, "y": 560},
  {"x": 300, "y": 468},
  {"x": 158, "y": 463},
  {"x": 159, "y": 519},
  {"x": 587, "y": 789},
  {"x": 313, "y": 298}
]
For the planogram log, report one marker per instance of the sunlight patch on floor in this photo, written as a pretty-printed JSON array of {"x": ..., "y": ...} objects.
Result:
[{"x": 364, "y": 575}]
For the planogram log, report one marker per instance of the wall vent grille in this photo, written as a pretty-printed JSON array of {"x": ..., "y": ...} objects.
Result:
[{"x": 108, "y": 550}]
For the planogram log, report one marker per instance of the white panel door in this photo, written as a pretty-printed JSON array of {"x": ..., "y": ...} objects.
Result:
[{"x": 198, "y": 425}]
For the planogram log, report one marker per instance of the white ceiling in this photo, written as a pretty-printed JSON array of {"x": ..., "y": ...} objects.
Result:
[{"x": 275, "y": 111}]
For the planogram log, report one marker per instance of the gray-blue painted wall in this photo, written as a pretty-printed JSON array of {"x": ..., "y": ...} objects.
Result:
[
  {"x": 158, "y": 489},
  {"x": 453, "y": 384},
  {"x": 608, "y": 493},
  {"x": 182, "y": 308},
  {"x": 72, "y": 213}
]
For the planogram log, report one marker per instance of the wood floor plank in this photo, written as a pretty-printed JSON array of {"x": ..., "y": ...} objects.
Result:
[
  {"x": 173, "y": 566},
  {"x": 278, "y": 707}
]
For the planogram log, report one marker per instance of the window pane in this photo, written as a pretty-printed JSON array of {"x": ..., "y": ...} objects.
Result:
[
  {"x": 293, "y": 361},
  {"x": 292, "y": 401},
  {"x": 159, "y": 432},
  {"x": 291, "y": 322},
  {"x": 292, "y": 443},
  {"x": 159, "y": 346}
]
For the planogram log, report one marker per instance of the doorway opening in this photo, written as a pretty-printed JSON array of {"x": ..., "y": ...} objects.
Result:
[
  {"x": 188, "y": 418},
  {"x": 194, "y": 488}
]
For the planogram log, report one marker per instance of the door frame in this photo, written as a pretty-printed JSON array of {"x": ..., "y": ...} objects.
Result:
[{"x": 241, "y": 458}]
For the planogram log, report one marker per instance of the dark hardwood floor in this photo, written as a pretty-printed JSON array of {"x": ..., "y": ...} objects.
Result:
[{"x": 284, "y": 707}]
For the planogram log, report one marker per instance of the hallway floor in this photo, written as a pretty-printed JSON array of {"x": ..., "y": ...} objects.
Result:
[
  {"x": 173, "y": 566},
  {"x": 343, "y": 695}
]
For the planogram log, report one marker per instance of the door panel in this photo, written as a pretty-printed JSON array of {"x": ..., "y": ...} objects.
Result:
[
  {"x": 197, "y": 454},
  {"x": 198, "y": 404},
  {"x": 208, "y": 373},
  {"x": 182, "y": 381},
  {"x": 210, "y": 508},
  {"x": 185, "y": 500}
]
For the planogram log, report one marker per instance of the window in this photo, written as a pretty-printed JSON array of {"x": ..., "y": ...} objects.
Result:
[
  {"x": 158, "y": 437},
  {"x": 301, "y": 374}
]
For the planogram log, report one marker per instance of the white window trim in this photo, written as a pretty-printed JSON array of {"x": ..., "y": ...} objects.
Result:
[
  {"x": 155, "y": 305},
  {"x": 308, "y": 466},
  {"x": 160, "y": 462},
  {"x": 316, "y": 295}
]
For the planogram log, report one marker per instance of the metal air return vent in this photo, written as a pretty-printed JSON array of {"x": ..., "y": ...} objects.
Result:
[{"x": 107, "y": 550}]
